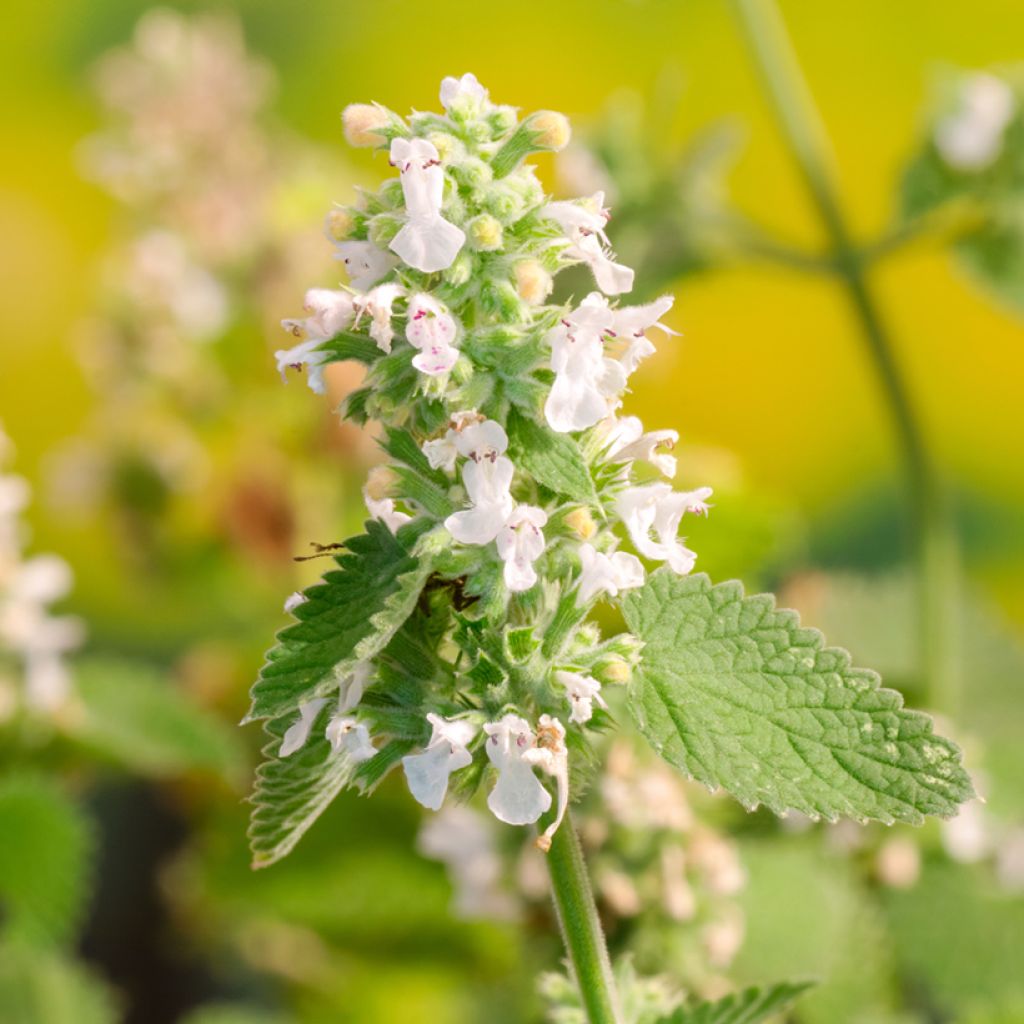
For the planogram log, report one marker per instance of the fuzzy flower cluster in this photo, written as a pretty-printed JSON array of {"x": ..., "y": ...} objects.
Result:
[
  {"x": 33, "y": 642},
  {"x": 512, "y": 457}
]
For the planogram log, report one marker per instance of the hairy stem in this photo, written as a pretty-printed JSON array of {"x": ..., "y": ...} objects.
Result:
[
  {"x": 804, "y": 133},
  {"x": 581, "y": 928}
]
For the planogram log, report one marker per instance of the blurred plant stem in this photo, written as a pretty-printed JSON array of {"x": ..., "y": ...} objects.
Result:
[
  {"x": 581, "y": 927},
  {"x": 793, "y": 105}
]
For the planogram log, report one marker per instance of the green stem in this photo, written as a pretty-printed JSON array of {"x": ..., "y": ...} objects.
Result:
[
  {"x": 805, "y": 135},
  {"x": 581, "y": 927}
]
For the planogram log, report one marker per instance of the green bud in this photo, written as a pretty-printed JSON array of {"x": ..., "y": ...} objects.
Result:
[
  {"x": 502, "y": 202},
  {"x": 383, "y": 228},
  {"x": 391, "y": 194},
  {"x": 544, "y": 131},
  {"x": 502, "y": 120},
  {"x": 485, "y": 233},
  {"x": 499, "y": 298},
  {"x": 471, "y": 172},
  {"x": 460, "y": 271}
]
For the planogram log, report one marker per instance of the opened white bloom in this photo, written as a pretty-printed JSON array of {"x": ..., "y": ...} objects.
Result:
[
  {"x": 427, "y": 242},
  {"x": 630, "y": 324},
  {"x": 518, "y": 798},
  {"x": 328, "y": 313},
  {"x": 626, "y": 441},
  {"x": 971, "y": 138},
  {"x": 378, "y": 304},
  {"x": 432, "y": 330},
  {"x": 427, "y": 773},
  {"x": 582, "y": 692},
  {"x": 487, "y": 477},
  {"x": 657, "y": 509},
  {"x": 583, "y": 224},
  {"x": 350, "y": 737},
  {"x": 463, "y": 95},
  {"x": 586, "y": 380},
  {"x": 606, "y": 574},
  {"x": 442, "y": 452},
  {"x": 520, "y": 543},
  {"x": 365, "y": 263},
  {"x": 298, "y": 733},
  {"x": 550, "y": 755},
  {"x": 384, "y": 510}
]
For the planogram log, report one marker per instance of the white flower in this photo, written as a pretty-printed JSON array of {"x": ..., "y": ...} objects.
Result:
[
  {"x": 657, "y": 508},
  {"x": 296, "y": 735},
  {"x": 427, "y": 242},
  {"x": 328, "y": 313},
  {"x": 550, "y": 754},
  {"x": 583, "y": 224},
  {"x": 487, "y": 477},
  {"x": 582, "y": 692},
  {"x": 606, "y": 574},
  {"x": 630, "y": 324},
  {"x": 427, "y": 773},
  {"x": 518, "y": 798},
  {"x": 585, "y": 378},
  {"x": 352, "y": 686},
  {"x": 432, "y": 330},
  {"x": 971, "y": 138},
  {"x": 384, "y": 510},
  {"x": 350, "y": 737},
  {"x": 377, "y": 304},
  {"x": 520, "y": 543},
  {"x": 294, "y": 600},
  {"x": 462, "y": 94},
  {"x": 365, "y": 263},
  {"x": 626, "y": 441},
  {"x": 442, "y": 452}
]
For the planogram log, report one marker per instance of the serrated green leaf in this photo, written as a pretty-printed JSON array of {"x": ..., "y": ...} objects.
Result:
[
  {"x": 402, "y": 447},
  {"x": 347, "y": 618},
  {"x": 141, "y": 720},
  {"x": 750, "y": 1006},
  {"x": 38, "y": 987},
  {"x": 735, "y": 694},
  {"x": 553, "y": 460},
  {"x": 45, "y": 859},
  {"x": 348, "y": 345}
]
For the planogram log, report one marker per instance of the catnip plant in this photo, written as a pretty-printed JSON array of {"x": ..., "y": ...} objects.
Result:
[{"x": 455, "y": 640}]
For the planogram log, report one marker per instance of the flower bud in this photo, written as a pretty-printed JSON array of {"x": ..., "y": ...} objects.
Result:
[
  {"x": 383, "y": 228},
  {"x": 448, "y": 147},
  {"x": 485, "y": 233},
  {"x": 339, "y": 224},
  {"x": 391, "y": 194},
  {"x": 379, "y": 483},
  {"x": 502, "y": 120},
  {"x": 581, "y": 522},
  {"x": 533, "y": 282},
  {"x": 471, "y": 171},
  {"x": 460, "y": 271},
  {"x": 544, "y": 131},
  {"x": 499, "y": 299},
  {"x": 363, "y": 124},
  {"x": 614, "y": 670},
  {"x": 552, "y": 128}
]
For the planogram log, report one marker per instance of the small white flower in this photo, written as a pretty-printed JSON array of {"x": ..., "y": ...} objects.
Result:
[
  {"x": 971, "y": 138},
  {"x": 377, "y": 304},
  {"x": 427, "y": 773},
  {"x": 365, "y": 263},
  {"x": 630, "y": 323},
  {"x": 586, "y": 380},
  {"x": 626, "y": 441},
  {"x": 384, "y": 510},
  {"x": 427, "y": 242},
  {"x": 582, "y": 692},
  {"x": 328, "y": 313},
  {"x": 353, "y": 686},
  {"x": 462, "y": 94},
  {"x": 550, "y": 754},
  {"x": 442, "y": 452},
  {"x": 432, "y": 330},
  {"x": 518, "y": 798},
  {"x": 583, "y": 224},
  {"x": 296, "y": 735},
  {"x": 657, "y": 508},
  {"x": 487, "y": 477},
  {"x": 520, "y": 543},
  {"x": 606, "y": 574},
  {"x": 350, "y": 737}
]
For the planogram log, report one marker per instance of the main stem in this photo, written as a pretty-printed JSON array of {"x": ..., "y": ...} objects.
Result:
[
  {"x": 581, "y": 927},
  {"x": 805, "y": 135}
]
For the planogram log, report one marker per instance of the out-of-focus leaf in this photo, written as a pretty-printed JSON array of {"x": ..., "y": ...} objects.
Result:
[
  {"x": 736, "y": 694},
  {"x": 45, "y": 858},
  {"x": 141, "y": 720},
  {"x": 750, "y": 1006},
  {"x": 233, "y": 1014},
  {"x": 38, "y": 987}
]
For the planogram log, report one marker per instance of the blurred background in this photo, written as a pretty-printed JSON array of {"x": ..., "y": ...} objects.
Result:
[{"x": 166, "y": 177}]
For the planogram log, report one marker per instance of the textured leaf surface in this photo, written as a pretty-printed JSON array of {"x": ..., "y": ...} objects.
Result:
[
  {"x": 737, "y": 695},
  {"x": 141, "y": 720},
  {"x": 348, "y": 617},
  {"x": 45, "y": 854},
  {"x": 39, "y": 987},
  {"x": 553, "y": 460},
  {"x": 747, "y": 1007}
]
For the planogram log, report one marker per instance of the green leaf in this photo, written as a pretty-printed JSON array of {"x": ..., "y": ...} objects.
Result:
[
  {"x": 735, "y": 694},
  {"x": 553, "y": 460},
  {"x": 747, "y": 1007},
  {"x": 144, "y": 722},
  {"x": 347, "y": 618},
  {"x": 994, "y": 255},
  {"x": 39, "y": 987},
  {"x": 228, "y": 1013},
  {"x": 348, "y": 345},
  {"x": 45, "y": 859}
]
